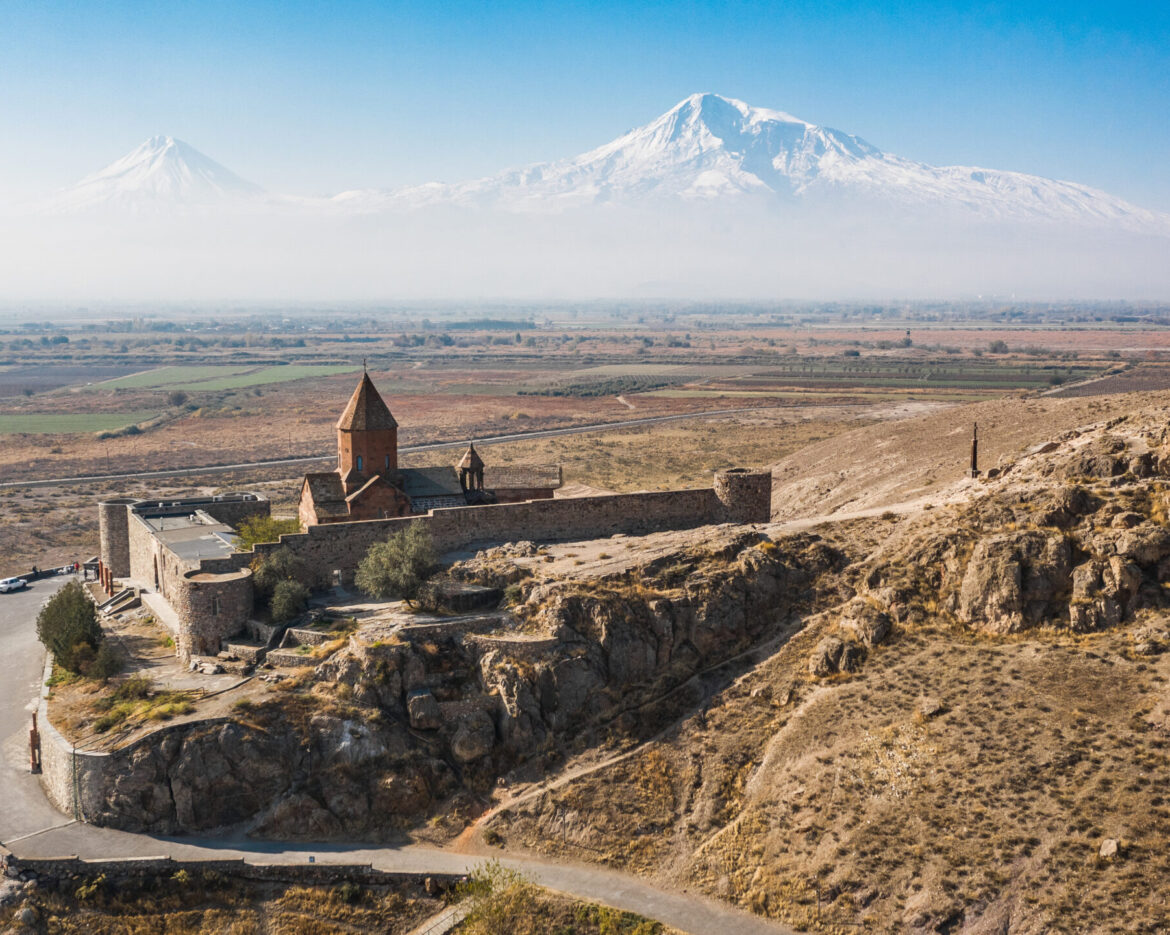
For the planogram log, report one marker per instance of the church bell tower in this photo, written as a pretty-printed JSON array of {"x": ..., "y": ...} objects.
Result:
[{"x": 367, "y": 438}]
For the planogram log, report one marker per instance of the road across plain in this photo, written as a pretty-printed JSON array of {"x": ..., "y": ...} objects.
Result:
[{"x": 410, "y": 449}]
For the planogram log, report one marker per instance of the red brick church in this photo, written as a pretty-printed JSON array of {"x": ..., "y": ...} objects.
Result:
[{"x": 368, "y": 484}]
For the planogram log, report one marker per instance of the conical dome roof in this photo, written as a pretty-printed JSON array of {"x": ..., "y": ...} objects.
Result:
[
  {"x": 471, "y": 459},
  {"x": 366, "y": 412}
]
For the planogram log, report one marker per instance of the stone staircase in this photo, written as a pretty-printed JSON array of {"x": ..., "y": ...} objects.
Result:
[{"x": 124, "y": 599}]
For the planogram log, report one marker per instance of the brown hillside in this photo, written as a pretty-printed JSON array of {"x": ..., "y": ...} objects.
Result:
[{"x": 926, "y": 457}]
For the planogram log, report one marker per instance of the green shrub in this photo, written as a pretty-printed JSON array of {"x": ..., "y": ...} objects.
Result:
[
  {"x": 289, "y": 599},
  {"x": 399, "y": 566},
  {"x": 263, "y": 528},
  {"x": 91, "y": 890},
  {"x": 269, "y": 570},
  {"x": 68, "y": 627},
  {"x": 350, "y": 892},
  {"x": 107, "y": 662}
]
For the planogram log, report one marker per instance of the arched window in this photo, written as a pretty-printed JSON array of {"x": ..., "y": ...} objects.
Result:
[
  {"x": 387, "y": 462},
  {"x": 359, "y": 463},
  {"x": 215, "y": 605}
]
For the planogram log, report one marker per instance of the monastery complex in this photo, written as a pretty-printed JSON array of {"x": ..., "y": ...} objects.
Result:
[{"x": 180, "y": 557}]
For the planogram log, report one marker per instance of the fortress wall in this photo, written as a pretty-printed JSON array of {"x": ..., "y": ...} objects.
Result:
[
  {"x": 74, "y": 780},
  {"x": 742, "y": 497},
  {"x": 746, "y": 496},
  {"x": 342, "y": 546},
  {"x": 143, "y": 548}
]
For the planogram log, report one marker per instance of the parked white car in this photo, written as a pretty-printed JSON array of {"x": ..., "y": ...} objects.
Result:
[{"x": 12, "y": 584}]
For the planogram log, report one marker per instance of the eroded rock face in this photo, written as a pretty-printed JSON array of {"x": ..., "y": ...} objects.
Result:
[
  {"x": 866, "y": 622},
  {"x": 474, "y": 737},
  {"x": 197, "y": 778},
  {"x": 1014, "y": 581}
]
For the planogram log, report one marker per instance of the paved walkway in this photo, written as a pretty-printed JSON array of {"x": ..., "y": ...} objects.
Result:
[{"x": 30, "y": 827}]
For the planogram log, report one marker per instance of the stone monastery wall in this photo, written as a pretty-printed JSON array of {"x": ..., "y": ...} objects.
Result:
[
  {"x": 340, "y": 547},
  {"x": 212, "y": 599}
]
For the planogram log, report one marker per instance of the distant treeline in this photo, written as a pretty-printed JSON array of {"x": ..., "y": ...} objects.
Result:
[
  {"x": 614, "y": 386},
  {"x": 488, "y": 324}
]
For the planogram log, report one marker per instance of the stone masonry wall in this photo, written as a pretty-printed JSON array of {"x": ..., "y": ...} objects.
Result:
[
  {"x": 210, "y": 608},
  {"x": 113, "y": 534},
  {"x": 342, "y": 546},
  {"x": 741, "y": 497}
]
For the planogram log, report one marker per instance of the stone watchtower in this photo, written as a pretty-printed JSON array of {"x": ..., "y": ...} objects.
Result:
[
  {"x": 746, "y": 496},
  {"x": 114, "y": 534},
  {"x": 367, "y": 438}
]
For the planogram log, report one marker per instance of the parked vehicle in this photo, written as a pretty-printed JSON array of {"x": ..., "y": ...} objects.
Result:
[{"x": 12, "y": 584}]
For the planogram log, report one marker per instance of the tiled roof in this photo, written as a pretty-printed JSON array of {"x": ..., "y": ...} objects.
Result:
[
  {"x": 366, "y": 412},
  {"x": 430, "y": 482}
]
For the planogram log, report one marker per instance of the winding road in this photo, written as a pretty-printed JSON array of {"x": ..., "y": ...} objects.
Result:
[{"x": 30, "y": 827}]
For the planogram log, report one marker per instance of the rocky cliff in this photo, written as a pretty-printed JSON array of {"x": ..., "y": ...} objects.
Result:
[{"x": 381, "y": 734}]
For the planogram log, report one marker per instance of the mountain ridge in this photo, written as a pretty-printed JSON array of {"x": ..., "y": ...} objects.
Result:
[{"x": 707, "y": 149}]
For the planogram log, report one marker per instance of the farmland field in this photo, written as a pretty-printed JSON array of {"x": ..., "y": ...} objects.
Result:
[
  {"x": 68, "y": 423},
  {"x": 215, "y": 377},
  {"x": 17, "y": 381}
]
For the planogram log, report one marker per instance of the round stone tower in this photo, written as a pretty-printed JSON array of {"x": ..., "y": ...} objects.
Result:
[
  {"x": 114, "y": 534},
  {"x": 746, "y": 495}
]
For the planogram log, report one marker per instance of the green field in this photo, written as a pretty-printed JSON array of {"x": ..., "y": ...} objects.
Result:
[
  {"x": 58, "y": 423},
  {"x": 214, "y": 378}
]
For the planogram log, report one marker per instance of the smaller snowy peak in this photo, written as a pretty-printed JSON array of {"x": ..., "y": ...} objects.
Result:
[{"x": 161, "y": 172}]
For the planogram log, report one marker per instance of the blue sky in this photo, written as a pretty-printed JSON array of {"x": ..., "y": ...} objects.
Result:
[{"x": 316, "y": 98}]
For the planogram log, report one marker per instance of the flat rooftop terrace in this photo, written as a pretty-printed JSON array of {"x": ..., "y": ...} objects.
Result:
[{"x": 193, "y": 536}]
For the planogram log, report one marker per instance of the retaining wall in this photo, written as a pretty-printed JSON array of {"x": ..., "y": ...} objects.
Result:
[{"x": 313, "y": 874}]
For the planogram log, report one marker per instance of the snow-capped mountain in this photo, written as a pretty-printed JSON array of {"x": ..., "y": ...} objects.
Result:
[
  {"x": 160, "y": 173},
  {"x": 712, "y": 148},
  {"x": 706, "y": 150}
]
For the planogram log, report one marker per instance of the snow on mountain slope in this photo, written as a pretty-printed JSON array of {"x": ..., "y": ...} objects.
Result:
[
  {"x": 706, "y": 150},
  {"x": 710, "y": 148},
  {"x": 160, "y": 173}
]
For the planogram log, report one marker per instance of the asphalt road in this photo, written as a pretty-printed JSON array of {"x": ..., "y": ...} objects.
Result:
[
  {"x": 31, "y": 827},
  {"x": 23, "y": 807},
  {"x": 329, "y": 456}
]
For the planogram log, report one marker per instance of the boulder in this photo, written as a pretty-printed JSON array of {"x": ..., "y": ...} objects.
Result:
[
  {"x": 826, "y": 657},
  {"x": 424, "y": 711},
  {"x": 1109, "y": 849},
  {"x": 1144, "y": 544},
  {"x": 867, "y": 623},
  {"x": 474, "y": 737},
  {"x": 833, "y": 655}
]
